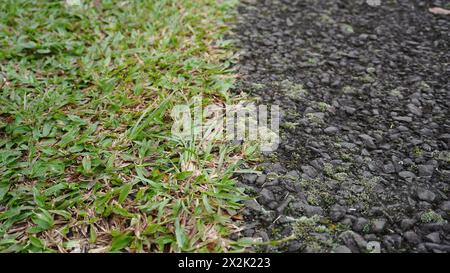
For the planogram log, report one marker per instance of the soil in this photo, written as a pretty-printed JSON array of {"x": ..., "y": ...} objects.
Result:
[{"x": 364, "y": 161}]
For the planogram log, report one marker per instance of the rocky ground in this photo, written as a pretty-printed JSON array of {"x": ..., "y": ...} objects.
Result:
[{"x": 364, "y": 163}]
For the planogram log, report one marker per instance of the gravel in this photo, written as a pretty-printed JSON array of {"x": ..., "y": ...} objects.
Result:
[{"x": 365, "y": 131}]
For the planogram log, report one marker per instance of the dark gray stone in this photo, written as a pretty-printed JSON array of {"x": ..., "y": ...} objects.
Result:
[
  {"x": 253, "y": 205},
  {"x": 368, "y": 141},
  {"x": 261, "y": 179},
  {"x": 407, "y": 175},
  {"x": 360, "y": 224},
  {"x": 337, "y": 212},
  {"x": 433, "y": 237},
  {"x": 414, "y": 109},
  {"x": 250, "y": 178},
  {"x": 312, "y": 210},
  {"x": 294, "y": 246},
  {"x": 309, "y": 171},
  {"x": 378, "y": 225},
  {"x": 425, "y": 170},
  {"x": 284, "y": 204},
  {"x": 353, "y": 241},
  {"x": 407, "y": 224},
  {"x": 411, "y": 237},
  {"x": 393, "y": 241},
  {"x": 331, "y": 130},
  {"x": 342, "y": 249},
  {"x": 266, "y": 195},
  {"x": 445, "y": 206},
  {"x": 404, "y": 119},
  {"x": 389, "y": 168},
  {"x": 425, "y": 195}
]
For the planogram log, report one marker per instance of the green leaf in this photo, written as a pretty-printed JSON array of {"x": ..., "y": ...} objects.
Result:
[
  {"x": 36, "y": 242},
  {"x": 86, "y": 162},
  {"x": 110, "y": 162},
  {"x": 92, "y": 234},
  {"x": 39, "y": 198},
  {"x": 124, "y": 191},
  {"x": 55, "y": 189},
  {"x": 46, "y": 129},
  {"x": 120, "y": 241},
  {"x": 43, "y": 219},
  {"x": 68, "y": 137},
  {"x": 206, "y": 203},
  {"x": 180, "y": 235},
  {"x": 67, "y": 215},
  {"x": 183, "y": 175},
  {"x": 151, "y": 229},
  {"x": 9, "y": 213},
  {"x": 4, "y": 188}
]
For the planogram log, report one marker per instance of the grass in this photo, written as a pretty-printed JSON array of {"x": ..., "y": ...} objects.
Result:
[{"x": 87, "y": 161}]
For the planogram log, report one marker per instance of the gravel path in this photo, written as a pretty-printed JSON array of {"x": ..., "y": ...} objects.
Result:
[{"x": 364, "y": 164}]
